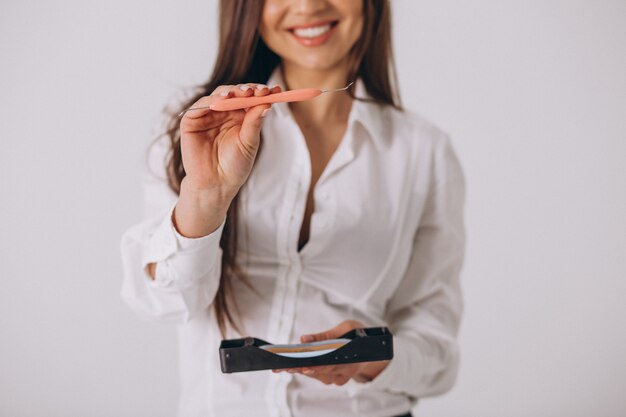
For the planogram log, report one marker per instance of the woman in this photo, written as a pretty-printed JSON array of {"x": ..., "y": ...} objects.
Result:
[{"x": 303, "y": 222}]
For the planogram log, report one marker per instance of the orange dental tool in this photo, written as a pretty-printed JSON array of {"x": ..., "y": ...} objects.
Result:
[{"x": 289, "y": 96}]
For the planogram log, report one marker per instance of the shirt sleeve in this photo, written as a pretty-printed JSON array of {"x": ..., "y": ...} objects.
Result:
[
  {"x": 425, "y": 311},
  {"x": 187, "y": 270}
]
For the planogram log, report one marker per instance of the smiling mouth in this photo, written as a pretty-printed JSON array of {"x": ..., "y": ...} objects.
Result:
[
  {"x": 315, "y": 34},
  {"x": 311, "y": 32}
]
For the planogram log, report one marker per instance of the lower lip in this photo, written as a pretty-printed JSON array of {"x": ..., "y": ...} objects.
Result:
[{"x": 317, "y": 41}]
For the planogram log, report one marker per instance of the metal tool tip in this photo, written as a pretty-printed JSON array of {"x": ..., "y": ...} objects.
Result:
[{"x": 338, "y": 89}]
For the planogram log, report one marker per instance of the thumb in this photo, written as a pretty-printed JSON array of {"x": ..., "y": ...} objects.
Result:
[
  {"x": 307, "y": 338},
  {"x": 334, "y": 333},
  {"x": 251, "y": 125},
  {"x": 316, "y": 337}
]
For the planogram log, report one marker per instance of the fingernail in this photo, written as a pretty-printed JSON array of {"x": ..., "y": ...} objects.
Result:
[
  {"x": 245, "y": 87},
  {"x": 224, "y": 93},
  {"x": 261, "y": 86},
  {"x": 275, "y": 86},
  {"x": 264, "y": 113},
  {"x": 307, "y": 371}
]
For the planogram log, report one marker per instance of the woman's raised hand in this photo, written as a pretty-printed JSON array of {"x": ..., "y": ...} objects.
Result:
[
  {"x": 218, "y": 152},
  {"x": 219, "y": 148}
]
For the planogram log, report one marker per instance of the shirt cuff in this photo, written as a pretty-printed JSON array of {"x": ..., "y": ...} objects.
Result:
[{"x": 180, "y": 260}]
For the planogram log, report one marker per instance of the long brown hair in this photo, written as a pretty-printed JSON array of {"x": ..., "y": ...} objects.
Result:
[{"x": 370, "y": 59}]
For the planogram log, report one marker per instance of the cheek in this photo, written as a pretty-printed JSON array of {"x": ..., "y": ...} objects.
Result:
[
  {"x": 355, "y": 35},
  {"x": 357, "y": 27},
  {"x": 269, "y": 19},
  {"x": 353, "y": 29},
  {"x": 353, "y": 11}
]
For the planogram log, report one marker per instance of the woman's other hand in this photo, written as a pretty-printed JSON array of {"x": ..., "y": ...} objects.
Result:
[{"x": 342, "y": 373}]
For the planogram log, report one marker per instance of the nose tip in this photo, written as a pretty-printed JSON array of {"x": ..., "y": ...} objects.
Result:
[{"x": 309, "y": 6}]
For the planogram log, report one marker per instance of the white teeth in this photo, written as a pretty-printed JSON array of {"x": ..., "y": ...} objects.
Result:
[{"x": 312, "y": 32}]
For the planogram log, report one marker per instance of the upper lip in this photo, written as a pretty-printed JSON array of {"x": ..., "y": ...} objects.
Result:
[{"x": 310, "y": 25}]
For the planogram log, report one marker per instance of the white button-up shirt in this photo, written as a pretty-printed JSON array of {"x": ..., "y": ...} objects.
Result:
[{"x": 385, "y": 248}]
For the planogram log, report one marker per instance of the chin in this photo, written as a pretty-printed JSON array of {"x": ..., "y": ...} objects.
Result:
[{"x": 314, "y": 62}]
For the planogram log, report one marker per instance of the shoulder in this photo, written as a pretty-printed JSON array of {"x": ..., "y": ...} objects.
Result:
[
  {"x": 428, "y": 146},
  {"x": 409, "y": 132},
  {"x": 413, "y": 128}
]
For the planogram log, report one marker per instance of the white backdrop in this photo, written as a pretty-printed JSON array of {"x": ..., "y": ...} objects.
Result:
[{"x": 532, "y": 92}]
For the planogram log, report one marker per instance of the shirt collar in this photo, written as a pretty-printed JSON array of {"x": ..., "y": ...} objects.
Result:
[{"x": 368, "y": 114}]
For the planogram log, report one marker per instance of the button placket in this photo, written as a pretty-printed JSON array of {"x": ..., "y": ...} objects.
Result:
[
  {"x": 282, "y": 242},
  {"x": 295, "y": 264},
  {"x": 324, "y": 215},
  {"x": 302, "y": 173},
  {"x": 283, "y": 307}
]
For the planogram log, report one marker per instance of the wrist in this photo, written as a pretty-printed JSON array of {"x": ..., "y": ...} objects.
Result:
[
  {"x": 370, "y": 370},
  {"x": 199, "y": 212},
  {"x": 215, "y": 197}
]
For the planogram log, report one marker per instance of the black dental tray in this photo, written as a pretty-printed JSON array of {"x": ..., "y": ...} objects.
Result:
[{"x": 367, "y": 344}]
